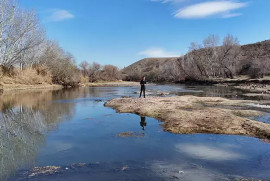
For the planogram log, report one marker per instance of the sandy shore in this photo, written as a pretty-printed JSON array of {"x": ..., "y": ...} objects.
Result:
[{"x": 190, "y": 114}]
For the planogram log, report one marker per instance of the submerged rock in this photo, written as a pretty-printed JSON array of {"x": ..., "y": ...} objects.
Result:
[
  {"x": 128, "y": 170},
  {"x": 48, "y": 170},
  {"x": 131, "y": 134},
  {"x": 191, "y": 114}
]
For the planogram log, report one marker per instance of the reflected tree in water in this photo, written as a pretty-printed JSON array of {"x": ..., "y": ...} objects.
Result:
[
  {"x": 22, "y": 132},
  {"x": 24, "y": 120}
]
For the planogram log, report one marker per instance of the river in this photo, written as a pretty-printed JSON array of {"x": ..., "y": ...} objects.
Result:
[{"x": 72, "y": 129}]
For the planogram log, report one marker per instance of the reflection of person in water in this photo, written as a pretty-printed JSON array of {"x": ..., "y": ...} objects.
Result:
[
  {"x": 143, "y": 82},
  {"x": 143, "y": 123}
]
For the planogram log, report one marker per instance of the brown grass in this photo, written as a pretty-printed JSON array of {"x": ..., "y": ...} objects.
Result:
[
  {"x": 25, "y": 77},
  {"x": 190, "y": 114}
]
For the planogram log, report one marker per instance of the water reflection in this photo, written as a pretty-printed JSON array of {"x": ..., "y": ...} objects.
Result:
[
  {"x": 210, "y": 153},
  {"x": 143, "y": 123},
  {"x": 82, "y": 130},
  {"x": 21, "y": 133},
  {"x": 24, "y": 119}
]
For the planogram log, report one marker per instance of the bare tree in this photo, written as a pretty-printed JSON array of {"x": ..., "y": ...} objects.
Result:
[
  {"x": 94, "y": 71},
  {"x": 210, "y": 54},
  {"x": 110, "y": 73},
  {"x": 171, "y": 71},
  {"x": 195, "y": 59},
  {"x": 84, "y": 67},
  {"x": 20, "y": 32},
  {"x": 211, "y": 41},
  {"x": 228, "y": 53},
  {"x": 61, "y": 64}
]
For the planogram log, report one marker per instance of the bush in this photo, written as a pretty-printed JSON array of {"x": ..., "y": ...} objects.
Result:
[
  {"x": 255, "y": 73},
  {"x": 252, "y": 70},
  {"x": 84, "y": 80}
]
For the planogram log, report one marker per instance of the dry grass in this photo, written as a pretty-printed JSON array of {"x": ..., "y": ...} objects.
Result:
[
  {"x": 190, "y": 114},
  {"x": 26, "y": 77}
]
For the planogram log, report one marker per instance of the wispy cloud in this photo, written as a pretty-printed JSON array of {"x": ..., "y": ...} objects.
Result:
[
  {"x": 57, "y": 15},
  {"x": 217, "y": 8},
  {"x": 158, "y": 52},
  {"x": 210, "y": 8}
]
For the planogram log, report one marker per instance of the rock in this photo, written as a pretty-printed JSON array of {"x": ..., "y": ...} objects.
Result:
[
  {"x": 130, "y": 134},
  {"x": 126, "y": 97}
]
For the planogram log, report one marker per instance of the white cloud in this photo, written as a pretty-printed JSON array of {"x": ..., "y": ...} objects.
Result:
[
  {"x": 210, "y": 8},
  {"x": 208, "y": 152},
  {"x": 158, "y": 52},
  {"x": 60, "y": 15}
]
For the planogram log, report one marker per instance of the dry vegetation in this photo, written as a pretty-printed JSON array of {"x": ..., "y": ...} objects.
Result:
[
  {"x": 95, "y": 72},
  {"x": 190, "y": 114},
  {"x": 205, "y": 61},
  {"x": 155, "y": 69},
  {"x": 28, "y": 76},
  {"x": 23, "y": 44}
]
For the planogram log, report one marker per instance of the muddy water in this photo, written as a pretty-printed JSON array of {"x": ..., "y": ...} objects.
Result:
[{"x": 72, "y": 129}]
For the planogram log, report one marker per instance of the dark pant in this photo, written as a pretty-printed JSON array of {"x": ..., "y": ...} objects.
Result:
[{"x": 142, "y": 90}]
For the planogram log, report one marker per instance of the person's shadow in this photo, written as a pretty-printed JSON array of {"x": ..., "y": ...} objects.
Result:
[{"x": 143, "y": 123}]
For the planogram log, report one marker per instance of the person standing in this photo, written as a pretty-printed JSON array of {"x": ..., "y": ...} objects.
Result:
[{"x": 143, "y": 82}]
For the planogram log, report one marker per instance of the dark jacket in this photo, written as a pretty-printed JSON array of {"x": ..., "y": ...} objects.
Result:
[{"x": 143, "y": 82}]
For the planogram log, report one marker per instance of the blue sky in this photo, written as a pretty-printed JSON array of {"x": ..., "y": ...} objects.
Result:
[{"x": 120, "y": 32}]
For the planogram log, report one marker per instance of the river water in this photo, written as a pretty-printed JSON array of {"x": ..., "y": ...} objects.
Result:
[{"x": 72, "y": 129}]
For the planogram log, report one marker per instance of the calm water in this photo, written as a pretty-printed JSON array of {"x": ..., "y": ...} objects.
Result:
[{"x": 65, "y": 127}]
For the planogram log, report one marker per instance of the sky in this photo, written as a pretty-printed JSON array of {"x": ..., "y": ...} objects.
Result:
[{"x": 121, "y": 32}]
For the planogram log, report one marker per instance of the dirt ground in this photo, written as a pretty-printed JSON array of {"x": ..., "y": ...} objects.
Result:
[{"x": 191, "y": 114}]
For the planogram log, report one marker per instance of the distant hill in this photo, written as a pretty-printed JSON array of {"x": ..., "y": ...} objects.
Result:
[
  {"x": 146, "y": 66},
  {"x": 260, "y": 49},
  {"x": 151, "y": 67}
]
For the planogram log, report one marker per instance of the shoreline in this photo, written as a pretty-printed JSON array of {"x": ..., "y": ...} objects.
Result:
[
  {"x": 14, "y": 87},
  {"x": 256, "y": 87},
  {"x": 113, "y": 84}
]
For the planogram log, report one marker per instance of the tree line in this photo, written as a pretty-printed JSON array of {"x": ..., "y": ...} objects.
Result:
[
  {"x": 212, "y": 59},
  {"x": 24, "y": 44},
  {"x": 95, "y": 72}
]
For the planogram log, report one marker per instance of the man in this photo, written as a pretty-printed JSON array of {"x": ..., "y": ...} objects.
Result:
[{"x": 143, "y": 82}]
